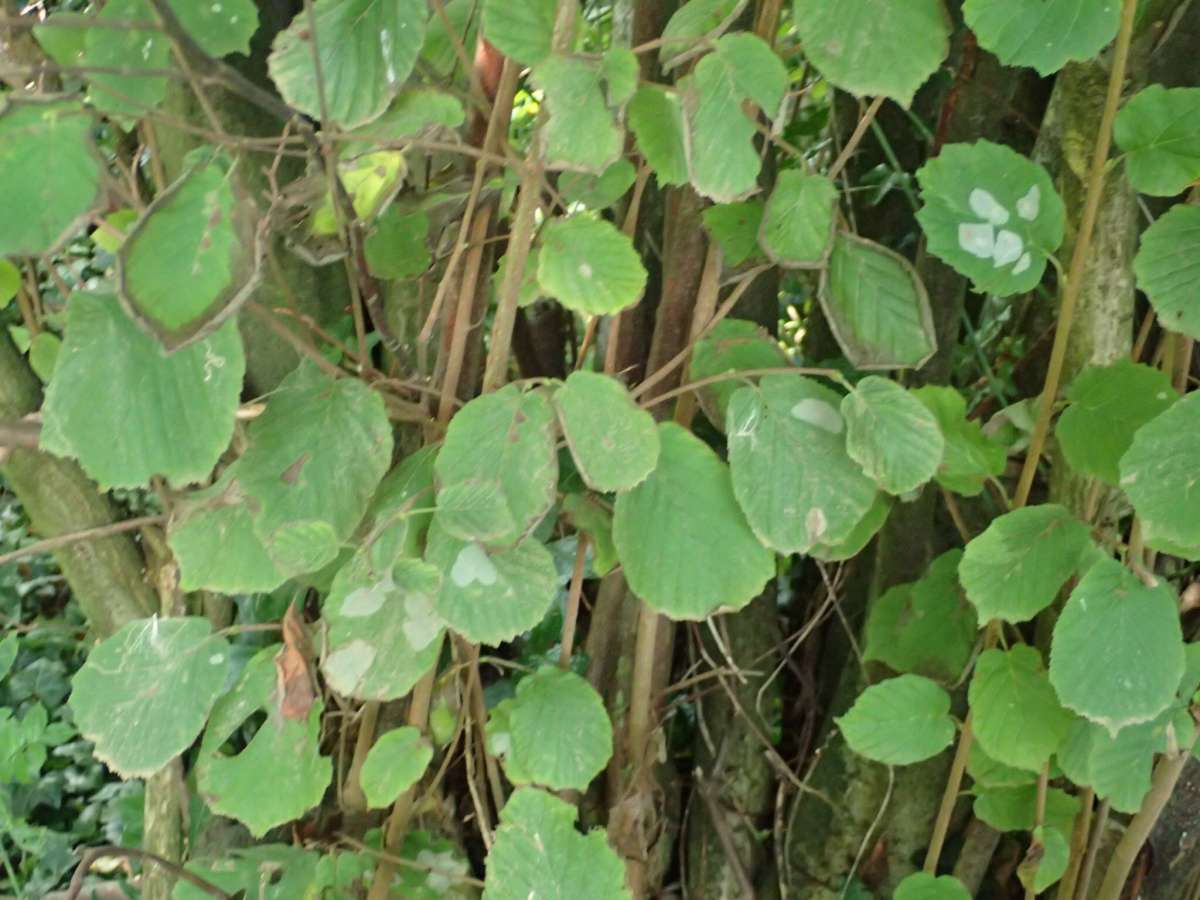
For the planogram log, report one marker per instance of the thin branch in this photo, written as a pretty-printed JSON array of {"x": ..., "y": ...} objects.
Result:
[
  {"x": 74, "y": 537},
  {"x": 95, "y": 853}
]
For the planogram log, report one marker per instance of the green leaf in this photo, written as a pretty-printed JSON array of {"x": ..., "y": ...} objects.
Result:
[
  {"x": 656, "y": 118},
  {"x": 971, "y": 457},
  {"x": 370, "y": 181},
  {"x": 899, "y": 721},
  {"x": 383, "y": 632},
  {"x": 923, "y": 886},
  {"x": 892, "y": 435},
  {"x": 614, "y": 443},
  {"x": 876, "y": 306},
  {"x": 8, "y": 654},
  {"x": 688, "y": 572},
  {"x": 589, "y": 266},
  {"x": 558, "y": 731},
  {"x": 43, "y": 355},
  {"x": 732, "y": 345},
  {"x": 1047, "y": 858},
  {"x": 1117, "y": 655},
  {"x": 851, "y": 545},
  {"x": 117, "y": 225},
  {"x": 1167, "y": 266},
  {"x": 503, "y": 441},
  {"x": 791, "y": 473},
  {"x": 580, "y": 131},
  {"x": 62, "y": 35},
  {"x": 367, "y": 49},
  {"x": 119, "y": 60},
  {"x": 34, "y": 133},
  {"x": 491, "y": 597},
  {"x": 394, "y": 763},
  {"x": 694, "y": 20},
  {"x": 735, "y": 227},
  {"x": 797, "y": 225},
  {"x": 233, "y": 785},
  {"x": 1158, "y": 473},
  {"x": 988, "y": 773},
  {"x": 588, "y": 514},
  {"x": 538, "y": 852},
  {"x": 1118, "y": 767},
  {"x": 415, "y": 110},
  {"x": 1159, "y": 131},
  {"x": 874, "y": 47},
  {"x": 396, "y": 245},
  {"x": 1016, "y": 567},
  {"x": 131, "y": 415},
  {"x": 1014, "y": 808},
  {"x": 598, "y": 191},
  {"x": 1042, "y": 34},
  {"x": 925, "y": 627},
  {"x": 522, "y": 29},
  {"x": 200, "y": 226},
  {"x": 265, "y": 872},
  {"x": 1017, "y": 717},
  {"x": 10, "y": 282},
  {"x": 723, "y": 163},
  {"x": 144, "y": 694},
  {"x": 220, "y": 28},
  {"x": 991, "y": 214},
  {"x": 400, "y": 511}
]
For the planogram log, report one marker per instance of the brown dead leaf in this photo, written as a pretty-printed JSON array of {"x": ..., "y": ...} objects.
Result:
[{"x": 293, "y": 677}]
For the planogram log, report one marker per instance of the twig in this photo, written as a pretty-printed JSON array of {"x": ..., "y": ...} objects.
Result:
[
  {"x": 856, "y": 137},
  {"x": 573, "y": 596},
  {"x": 87, "y": 534},
  {"x": 95, "y": 853}
]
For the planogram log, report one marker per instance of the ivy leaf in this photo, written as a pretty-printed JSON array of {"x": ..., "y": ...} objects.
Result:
[
  {"x": 1158, "y": 473},
  {"x": 1017, "y": 717},
  {"x": 1016, "y": 567},
  {"x": 1108, "y": 405},
  {"x": 522, "y": 29},
  {"x": 892, "y": 435},
  {"x": 1043, "y": 34},
  {"x": 797, "y": 225},
  {"x": 971, "y": 457},
  {"x": 876, "y": 306},
  {"x": 538, "y": 851},
  {"x": 589, "y": 266},
  {"x": 33, "y": 132},
  {"x": 491, "y": 597},
  {"x": 1159, "y": 131},
  {"x": 899, "y": 721},
  {"x": 367, "y": 49},
  {"x": 723, "y": 163},
  {"x": 144, "y": 694},
  {"x": 656, "y": 117},
  {"x": 1117, "y": 655},
  {"x": 732, "y": 345},
  {"x": 991, "y": 214},
  {"x": 1047, "y": 858},
  {"x": 875, "y": 47},
  {"x": 923, "y": 886},
  {"x": 791, "y": 473},
  {"x": 614, "y": 443},
  {"x": 558, "y": 732},
  {"x": 580, "y": 131},
  {"x": 1167, "y": 266},
  {"x": 925, "y": 627},
  {"x": 688, "y": 573},
  {"x": 394, "y": 763},
  {"x": 200, "y": 226},
  {"x": 735, "y": 227},
  {"x": 504, "y": 440},
  {"x": 174, "y": 414},
  {"x": 232, "y": 785},
  {"x": 383, "y": 631}
]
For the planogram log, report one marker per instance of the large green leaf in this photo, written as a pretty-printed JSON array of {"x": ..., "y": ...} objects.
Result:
[
  {"x": 992, "y": 214},
  {"x": 383, "y": 633},
  {"x": 588, "y": 265},
  {"x": 193, "y": 258},
  {"x": 925, "y": 627},
  {"x": 144, "y": 694},
  {"x": 1016, "y": 567},
  {"x": 124, "y": 64},
  {"x": 522, "y": 29},
  {"x": 876, "y": 306},
  {"x": 1159, "y": 131},
  {"x": 732, "y": 345},
  {"x": 924, "y": 886},
  {"x": 367, "y": 49},
  {"x": 539, "y": 853},
  {"x": 393, "y": 765},
  {"x": 1044, "y": 34},
  {"x": 38, "y": 137},
  {"x": 797, "y": 225},
  {"x": 656, "y": 118},
  {"x": 791, "y": 473},
  {"x": 498, "y": 453},
  {"x": 875, "y": 47},
  {"x": 220, "y": 27},
  {"x": 685, "y": 547},
  {"x": 491, "y": 597},
  {"x": 693, "y": 21},
  {"x": 580, "y": 131},
  {"x": 233, "y": 785},
  {"x": 1167, "y": 266},
  {"x": 136, "y": 413},
  {"x": 892, "y": 435},
  {"x": 971, "y": 457},
  {"x": 1015, "y": 808},
  {"x": 1117, "y": 656},
  {"x": 734, "y": 226},
  {"x": 899, "y": 721},
  {"x": 1017, "y": 718},
  {"x": 1158, "y": 473},
  {"x": 614, "y": 443}
]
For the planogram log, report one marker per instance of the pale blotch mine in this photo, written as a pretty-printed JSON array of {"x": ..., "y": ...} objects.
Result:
[
  {"x": 346, "y": 666},
  {"x": 473, "y": 565},
  {"x": 984, "y": 205},
  {"x": 819, "y": 413}
]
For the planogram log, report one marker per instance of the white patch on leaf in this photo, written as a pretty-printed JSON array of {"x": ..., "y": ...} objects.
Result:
[
  {"x": 1022, "y": 264},
  {"x": 984, "y": 205},
  {"x": 346, "y": 666},
  {"x": 365, "y": 601},
  {"x": 977, "y": 238},
  {"x": 473, "y": 565},
  {"x": 1028, "y": 206},
  {"x": 1008, "y": 248},
  {"x": 819, "y": 413}
]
